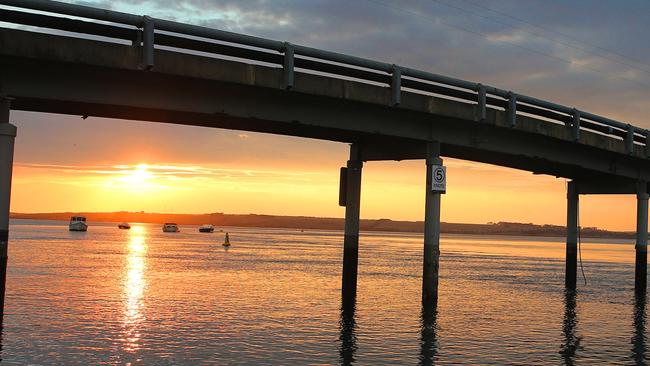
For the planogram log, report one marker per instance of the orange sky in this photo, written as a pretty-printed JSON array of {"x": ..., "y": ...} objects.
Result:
[{"x": 141, "y": 166}]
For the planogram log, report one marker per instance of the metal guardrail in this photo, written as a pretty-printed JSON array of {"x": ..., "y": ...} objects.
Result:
[{"x": 148, "y": 32}]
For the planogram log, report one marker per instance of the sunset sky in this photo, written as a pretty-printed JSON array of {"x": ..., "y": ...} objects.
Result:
[{"x": 543, "y": 48}]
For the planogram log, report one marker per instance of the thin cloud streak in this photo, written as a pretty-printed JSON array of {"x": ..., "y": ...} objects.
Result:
[{"x": 165, "y": 171}]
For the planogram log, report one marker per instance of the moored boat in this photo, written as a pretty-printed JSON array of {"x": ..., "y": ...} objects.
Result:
[
  {"x": 207, "y": 228},
  {"x": 78, "y": 223},
  {"x": 170, "y": 227},
  {"x": 124, "y": 225}
]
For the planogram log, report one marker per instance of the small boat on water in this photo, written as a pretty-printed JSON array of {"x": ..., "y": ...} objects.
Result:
[
  {"x": 78, "y": 223},
  {"x": 207, "y": 228},
  {"x": 124, "y": 225},
  {"x": 170, "y": 227},
  {"x": 226, "y": 242}
]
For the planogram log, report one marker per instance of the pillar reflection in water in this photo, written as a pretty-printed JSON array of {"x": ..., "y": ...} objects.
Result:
[
  {"x": 428, "y": 339},
  {"x": 347, "y": 327},
  {"x": 134, "y": 286},
  {"x": 639, "y": 338},
  {"x": 571, "y": 342},
  {"x": 2, "y": 331}
]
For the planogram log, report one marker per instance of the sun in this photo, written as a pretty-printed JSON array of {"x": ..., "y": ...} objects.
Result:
[{"x": 139, "y": 177}]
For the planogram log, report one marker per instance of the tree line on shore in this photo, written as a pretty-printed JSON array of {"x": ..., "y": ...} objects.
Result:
[{"x": 324, "y": 223}]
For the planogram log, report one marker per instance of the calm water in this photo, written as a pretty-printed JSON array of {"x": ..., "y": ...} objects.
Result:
[{"x": 146, "y": 297}]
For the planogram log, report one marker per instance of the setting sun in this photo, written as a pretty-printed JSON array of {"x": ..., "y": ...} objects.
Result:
[{"x": 138, "y": 176}]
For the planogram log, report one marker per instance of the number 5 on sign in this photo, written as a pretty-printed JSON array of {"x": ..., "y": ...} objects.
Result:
[{"x": 439, "y": 181}]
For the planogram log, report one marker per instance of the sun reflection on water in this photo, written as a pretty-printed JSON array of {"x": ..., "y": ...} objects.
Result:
[{"x": 134, "y": 286}]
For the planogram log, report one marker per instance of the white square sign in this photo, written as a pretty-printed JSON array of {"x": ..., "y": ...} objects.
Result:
[{"x": 439, "y": 178}]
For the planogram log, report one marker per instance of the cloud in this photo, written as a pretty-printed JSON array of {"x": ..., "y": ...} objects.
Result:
[
  {"x": 510, "y": 37},
  {"x": 163, "y": 171}
]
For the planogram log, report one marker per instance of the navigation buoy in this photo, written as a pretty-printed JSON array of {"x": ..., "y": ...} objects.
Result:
[{"x": 226, "y": 242}]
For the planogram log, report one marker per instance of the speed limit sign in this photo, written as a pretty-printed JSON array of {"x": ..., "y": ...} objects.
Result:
[{"x": 439, "y": 179}]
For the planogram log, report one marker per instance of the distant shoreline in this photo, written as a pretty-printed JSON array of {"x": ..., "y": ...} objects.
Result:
[{"x": 326, "y": 223}]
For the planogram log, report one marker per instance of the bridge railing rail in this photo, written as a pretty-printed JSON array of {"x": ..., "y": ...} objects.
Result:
[{"x": 147, "y": 32}]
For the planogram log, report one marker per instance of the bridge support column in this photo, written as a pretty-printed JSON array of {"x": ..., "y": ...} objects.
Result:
[
  {"x": 7, "y": 137},
  {"x": 641, "y": 270},
  {"x": 352, "y": 211},
  {"x": 431, "y": 231},
  {"x": 573, "y": 202}
]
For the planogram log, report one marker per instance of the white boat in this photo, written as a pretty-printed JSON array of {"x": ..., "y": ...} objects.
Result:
[
  {"x": 170, "y": 227},
  {"x": 78, "y": 223},
  {"x": 207, "y": 228},
  {"x": 226, "y": 242},
  {"x": 124, "y": 225}
]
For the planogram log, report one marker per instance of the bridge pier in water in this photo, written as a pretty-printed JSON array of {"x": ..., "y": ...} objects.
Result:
[
  {"x": 351, "y": 199},
  {"x": 641, "y": 263},
  {"x": 431, "y": 260},
  {"x": 7, "y": 137},
  {"x": 573, "y": 202}
]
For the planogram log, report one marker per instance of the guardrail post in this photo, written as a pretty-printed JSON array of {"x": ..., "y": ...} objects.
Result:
[
  {"x": 647, "y": 144},
  {"x": 481, "y": 113},
  {"x": 396, "y": 86},
  {"x": 512, "y": 109},
  {"x": 629, "y": 140},
  {"x": 575, "y": 125},
  {"x": 147, "y": 42},
  {"x": 287, "y": 66}
]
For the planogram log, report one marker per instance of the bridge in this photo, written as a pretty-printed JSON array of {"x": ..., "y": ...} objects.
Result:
[{"x": 77, "y": 60}]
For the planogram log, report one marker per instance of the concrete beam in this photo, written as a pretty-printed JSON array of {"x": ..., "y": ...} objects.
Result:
[{"x": 607, "y": 185}]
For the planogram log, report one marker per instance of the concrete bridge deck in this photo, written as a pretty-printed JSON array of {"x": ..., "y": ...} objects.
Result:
[
  {"x": 58, "y": 74},
  {"x": 132, "y": 67}
]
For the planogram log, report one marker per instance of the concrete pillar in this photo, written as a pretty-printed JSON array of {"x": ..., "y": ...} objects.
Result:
[
  {"x": 573, "y": 202},
  {"x": 7, "y": 136},
  {"x": 641, "y": 271},
  {"x": 352, "y": 210},
  {"x": 431, "y": 231}
]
